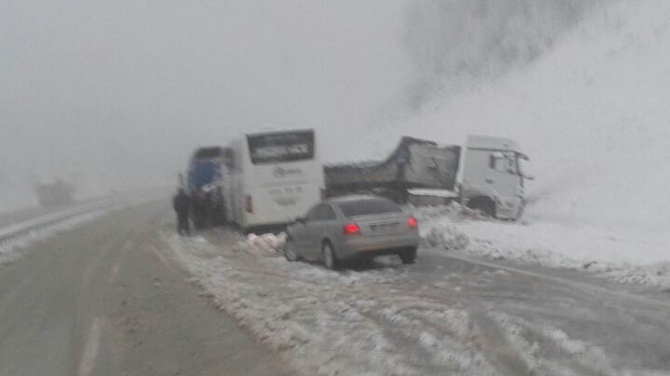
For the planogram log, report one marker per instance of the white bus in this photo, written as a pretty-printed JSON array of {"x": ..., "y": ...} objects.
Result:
[{"x": 272, "y": 178}]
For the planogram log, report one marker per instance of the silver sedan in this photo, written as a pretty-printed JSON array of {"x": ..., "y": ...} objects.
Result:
[{"x": 350, "y": 227}]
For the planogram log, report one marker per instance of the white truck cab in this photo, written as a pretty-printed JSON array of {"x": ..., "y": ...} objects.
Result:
[{"x": 492, "y": 180}]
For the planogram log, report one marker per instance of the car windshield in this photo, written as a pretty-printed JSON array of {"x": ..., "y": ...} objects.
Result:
[{"x": 368, "y": 207}]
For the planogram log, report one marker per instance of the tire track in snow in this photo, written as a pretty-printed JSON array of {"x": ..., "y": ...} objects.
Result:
[{"x": 382, "y": 321}]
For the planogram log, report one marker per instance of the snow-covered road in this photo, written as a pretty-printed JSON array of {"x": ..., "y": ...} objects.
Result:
[
  {"x": 98, "y": 299},
  {"x": 444, "y": 315},
  {"x": 19, "y": 230},
  {"x": 457, "y": 311}
]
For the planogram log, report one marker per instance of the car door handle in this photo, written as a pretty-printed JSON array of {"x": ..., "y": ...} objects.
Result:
[{"x": 490, "y": 181}]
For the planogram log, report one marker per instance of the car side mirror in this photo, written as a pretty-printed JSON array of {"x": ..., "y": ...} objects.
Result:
[{"x": 300, "y": 220}]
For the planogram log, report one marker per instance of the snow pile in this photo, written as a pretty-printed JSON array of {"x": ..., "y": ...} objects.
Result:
[
  {"x": 454, "y": 212},
  {"x": 454, "y": 228},
  {"x": 436, "y": 226},
  {"x": 444, "y": 234},
  {"x": 657, "y": 275},
  {"x": 267, "y": 245}
]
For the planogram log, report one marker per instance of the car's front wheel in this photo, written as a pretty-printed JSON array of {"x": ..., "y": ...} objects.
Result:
[
  {"x": 408, "y": 256},
  {"x": 330, "y": 258},
  {"x": 290, "y": 250}
]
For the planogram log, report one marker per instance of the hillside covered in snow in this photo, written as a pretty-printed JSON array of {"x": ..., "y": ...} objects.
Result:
[
  {"x": 593, "y": 114},
  {"x": 455, "y": 43}
]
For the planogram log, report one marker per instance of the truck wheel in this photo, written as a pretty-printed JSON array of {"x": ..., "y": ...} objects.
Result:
[{"x": 483, "y": 204}]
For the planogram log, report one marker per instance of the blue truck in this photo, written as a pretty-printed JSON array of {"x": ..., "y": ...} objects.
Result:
[{"x": 205, "y": 187}]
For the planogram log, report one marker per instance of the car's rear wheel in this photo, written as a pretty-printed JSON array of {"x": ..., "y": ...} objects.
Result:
[
  {"x": 330, "y": 258},
  {"x": 408, "y": 256},
  {"x": 290, "y": 250}
]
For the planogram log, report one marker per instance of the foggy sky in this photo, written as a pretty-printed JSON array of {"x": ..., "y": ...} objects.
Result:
[{"x": 116, "y": 94}]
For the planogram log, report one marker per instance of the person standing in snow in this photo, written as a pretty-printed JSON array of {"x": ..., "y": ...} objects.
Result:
[{"x": 182, "y": 205}]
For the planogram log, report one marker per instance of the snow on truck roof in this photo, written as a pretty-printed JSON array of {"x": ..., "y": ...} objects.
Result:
[{"x": 492, "y": 143}]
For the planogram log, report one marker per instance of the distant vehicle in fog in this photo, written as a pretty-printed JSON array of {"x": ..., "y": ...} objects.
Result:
[
  {"x": 56, "y": 192},
  {"x": 271, "y": 178},
  {"x": 487, "y": 176},
  {"x": 349, "y": 227}
]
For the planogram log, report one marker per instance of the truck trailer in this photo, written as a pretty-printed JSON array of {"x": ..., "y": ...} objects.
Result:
[{"x": 485, "y": 175}]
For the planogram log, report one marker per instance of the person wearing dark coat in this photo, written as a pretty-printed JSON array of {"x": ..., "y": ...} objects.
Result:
[{"x": 182, "y": 205}]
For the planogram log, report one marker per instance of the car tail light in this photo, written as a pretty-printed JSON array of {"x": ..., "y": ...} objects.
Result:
[
  {"x": 249, "y": 204},
  {"x": 412, "y": 222},
  {"x": 351, "y": 229},
  {"x": 324, "y": 194}
]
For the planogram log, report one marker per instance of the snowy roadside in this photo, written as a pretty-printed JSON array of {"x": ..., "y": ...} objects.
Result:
[
  {"x": 12, "y": 250},
  {"x": 616, "y": 257},
  {"x": 16, "y": 238},
  {"x": 387, "y": 320}
]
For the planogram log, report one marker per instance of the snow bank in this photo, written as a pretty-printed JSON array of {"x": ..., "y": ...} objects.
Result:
[
  {"x": 11, "y": 250},
  {"x": 589, "y": 249},
  {"x": 19, "y": 236}
]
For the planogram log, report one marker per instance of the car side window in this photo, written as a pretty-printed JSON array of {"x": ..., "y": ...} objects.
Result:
[
  {"x": 329, "y": 213},
  {"x": 313, "y": 214},
  {"x": 321, "y": 212}
]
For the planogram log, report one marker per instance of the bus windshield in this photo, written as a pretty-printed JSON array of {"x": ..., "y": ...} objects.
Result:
[{"x": 281, "y": 147}]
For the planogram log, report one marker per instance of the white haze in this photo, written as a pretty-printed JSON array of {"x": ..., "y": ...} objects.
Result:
[
  {"x": 457, "y": 44},
  {"x": 116, "y": 94},
  {"x": 456, "y": 47}
]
